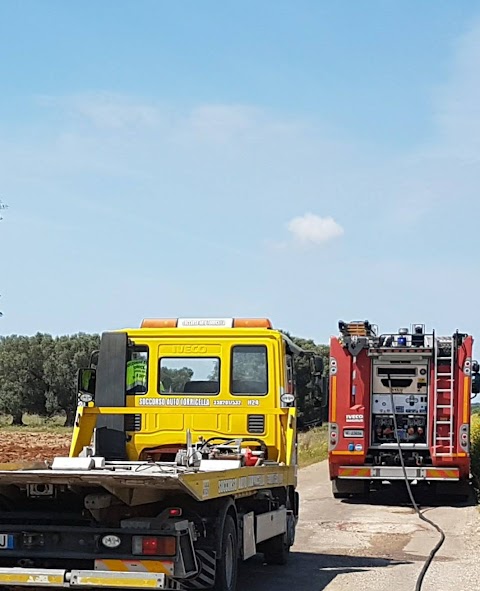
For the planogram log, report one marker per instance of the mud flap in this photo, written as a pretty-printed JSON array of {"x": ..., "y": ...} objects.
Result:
[{"x": 206, "y": 576}]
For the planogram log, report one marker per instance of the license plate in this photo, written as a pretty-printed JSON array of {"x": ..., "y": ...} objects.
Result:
[{"x": 6, "y": 542}]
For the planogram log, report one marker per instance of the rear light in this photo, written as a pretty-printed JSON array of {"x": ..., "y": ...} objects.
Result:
[
  {"x": 175, "y": 512},
  {"x": 154, "y": 545},
  {"x": 333, "y": 440},
  {"x": 465, "y": 437}
]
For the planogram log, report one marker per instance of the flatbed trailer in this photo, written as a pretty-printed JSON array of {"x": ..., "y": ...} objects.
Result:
[{"x": 163, "y": 488}]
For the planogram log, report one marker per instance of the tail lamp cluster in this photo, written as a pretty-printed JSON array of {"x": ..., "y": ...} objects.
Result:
[
  {"x": 333, "y": 439},
  {"x": 147, "y": 545},
  {"x": 465, "y": 437},
  {"x": 154, "y": 546}
]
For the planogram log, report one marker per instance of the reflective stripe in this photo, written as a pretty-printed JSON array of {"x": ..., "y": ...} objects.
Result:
[
  {"x": 136, "y": 566},
  {"x": 17, "y": 576},
  {"x": 334, "y": 399},
  {"x": 396, "y": 473},
  {"x": 466, "y": 398},
  {"x": 441, "y": 473},
  {"x": 117, "y": 579},
  {"x": 354, "y": 472}
]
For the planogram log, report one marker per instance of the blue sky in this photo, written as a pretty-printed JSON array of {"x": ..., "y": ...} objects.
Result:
[{"x": 306, "y": 161}]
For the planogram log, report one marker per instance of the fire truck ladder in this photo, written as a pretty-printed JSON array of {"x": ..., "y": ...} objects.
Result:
[{"x": 444, "y": 356}]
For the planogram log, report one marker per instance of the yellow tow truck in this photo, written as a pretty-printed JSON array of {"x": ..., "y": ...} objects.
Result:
[{"x": 183, "y": 461}]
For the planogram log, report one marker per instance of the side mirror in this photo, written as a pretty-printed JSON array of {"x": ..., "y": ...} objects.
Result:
[
  {"x": 94, "y": 359},
  {"x": 476, "y": 383},
  {"x": 318, "y": 365},
  {"x": 321, "y": 392},
  {"x": 86, "y": 379}
]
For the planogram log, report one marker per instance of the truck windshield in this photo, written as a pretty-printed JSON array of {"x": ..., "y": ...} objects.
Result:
[
  {"x": 189, "y": 375},
  {"x": 249, "y": 370}
]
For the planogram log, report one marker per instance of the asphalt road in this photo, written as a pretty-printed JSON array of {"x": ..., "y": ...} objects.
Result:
[{"x": 382, "y": 545}]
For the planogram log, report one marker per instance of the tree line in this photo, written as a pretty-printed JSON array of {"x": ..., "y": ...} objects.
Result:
[
  {"x": 37, "y": 376},
  {"x": 37, "y": 373}
]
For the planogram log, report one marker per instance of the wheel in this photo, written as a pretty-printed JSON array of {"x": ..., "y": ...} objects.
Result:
[
  {"x": 227, "y": 565},
  {"x": 276, "y": 550},
  {"x": 339, "y": 491},
  {"x": 344, "y": 489},
  {"x": 460, "y": 491}
]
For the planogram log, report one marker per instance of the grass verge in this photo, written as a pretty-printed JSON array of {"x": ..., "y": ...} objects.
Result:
[
  {"x": 312, "y": 446},
  {"x": 475, "y": 450},
  {"x": 35, "y": 423}
]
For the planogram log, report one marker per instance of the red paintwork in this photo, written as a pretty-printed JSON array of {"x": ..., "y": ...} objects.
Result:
[{"x": 344, "y": 403}]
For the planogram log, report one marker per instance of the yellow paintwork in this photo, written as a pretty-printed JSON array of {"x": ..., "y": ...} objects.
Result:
[
  {"x": 214, "y": 415},
  {"x": 140, "y": 582},
  {"x": 30, "y": 579},
  {"x": 211, "y": 485},
  {"x": 151, "y": 566}
]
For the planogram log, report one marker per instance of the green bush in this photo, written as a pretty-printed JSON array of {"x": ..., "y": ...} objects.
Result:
[{"x": 475, "y": 449}]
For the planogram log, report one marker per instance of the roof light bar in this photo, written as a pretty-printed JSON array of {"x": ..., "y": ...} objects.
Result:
[
  {"x": 252, "y": 323},
  {"x": 206, "y": 323},
  {"x": 159, "y": 323}
]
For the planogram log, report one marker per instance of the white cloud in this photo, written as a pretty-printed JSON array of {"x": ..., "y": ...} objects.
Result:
[
  {"x": 106, "y": 110},
  {"x": 313, "y": 229},
  {"x": 219, "y": 123}
]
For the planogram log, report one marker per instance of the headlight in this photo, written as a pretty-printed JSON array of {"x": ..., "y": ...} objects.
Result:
[{"x": 85, "y": 398}]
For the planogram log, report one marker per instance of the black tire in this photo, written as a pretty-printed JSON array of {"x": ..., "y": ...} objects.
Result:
[
  {"x": 227, "y": 565},
  {"x": 345, "y": 489},
  {"x": 338, "y": 491},
  {"x": 459, "y": 491},
  {"x": 276, "y": 550}
]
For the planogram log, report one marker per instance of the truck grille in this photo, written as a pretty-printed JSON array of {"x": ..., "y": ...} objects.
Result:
[
  {"x": 256, "y": 423},
  {"x": 133, "y": 422}
]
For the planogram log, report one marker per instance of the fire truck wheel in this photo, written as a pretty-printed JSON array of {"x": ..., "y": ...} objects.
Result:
[
  {"x": 227, "y": 565},
  {"x": 344, "y": 489},
  {"x": 276, "y": 550},
  {"x": 459, "y": 491}
]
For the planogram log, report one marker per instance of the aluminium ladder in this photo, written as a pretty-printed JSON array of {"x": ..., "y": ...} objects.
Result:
[{"x": 444, "y": 355}]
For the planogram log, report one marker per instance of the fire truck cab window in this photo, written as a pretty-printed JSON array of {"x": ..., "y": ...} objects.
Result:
[
  {"x": 249, "y": 372},
  {"x": 189, "y": 375}
]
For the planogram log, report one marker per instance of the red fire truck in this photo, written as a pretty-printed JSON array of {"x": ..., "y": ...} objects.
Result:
[{"x": 407, "y": 392}]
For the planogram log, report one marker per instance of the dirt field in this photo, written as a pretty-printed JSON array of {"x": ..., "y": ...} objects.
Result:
[{"x": 17, "y": 446}]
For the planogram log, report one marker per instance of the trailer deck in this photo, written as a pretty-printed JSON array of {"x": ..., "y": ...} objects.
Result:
[{"x": 213, "y": 479}]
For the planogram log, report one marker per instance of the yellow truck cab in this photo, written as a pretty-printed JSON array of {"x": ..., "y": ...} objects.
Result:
[{"x": 183, "y": 460}]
